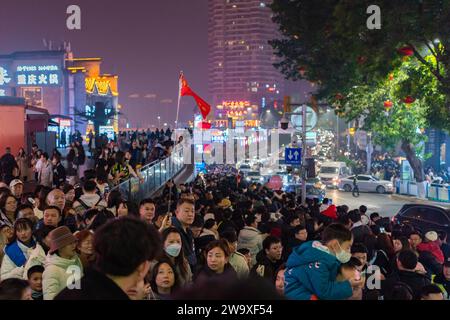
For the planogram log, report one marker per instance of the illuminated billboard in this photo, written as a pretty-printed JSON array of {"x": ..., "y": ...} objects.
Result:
[{"x": 38, "y": 75}]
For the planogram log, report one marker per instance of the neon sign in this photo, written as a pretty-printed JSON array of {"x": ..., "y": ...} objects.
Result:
[
  {"x": 38, "y": 75},
  {"x": 4, "y": 78},
  {"x": 103, "y": 86},
  {"x": 236, "y": 104}
]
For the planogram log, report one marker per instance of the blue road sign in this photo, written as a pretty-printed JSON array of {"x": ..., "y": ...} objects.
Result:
[{"x": 293, "y": 156}]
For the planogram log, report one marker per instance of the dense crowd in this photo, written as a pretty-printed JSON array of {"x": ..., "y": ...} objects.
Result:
[{"x": 215, "y": 237}]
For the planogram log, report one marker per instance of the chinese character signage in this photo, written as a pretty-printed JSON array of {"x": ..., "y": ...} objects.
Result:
[
  {"x": 4, "y": 77},
  {"x": 236, "y": 104},
  {"x": 38, "y": 75}
]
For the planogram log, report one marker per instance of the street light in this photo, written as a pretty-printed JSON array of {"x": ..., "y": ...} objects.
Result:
[{"x": 159, "y": 121}]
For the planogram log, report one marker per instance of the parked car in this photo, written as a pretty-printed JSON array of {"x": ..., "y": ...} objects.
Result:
[
  {"x": 366, "y": 183},
  {"x": 311, "y": 191},
  {"x": 424, "y": 218},
  {"x": 245, "y": 168}
]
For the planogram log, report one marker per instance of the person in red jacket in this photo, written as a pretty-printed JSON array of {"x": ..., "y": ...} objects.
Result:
[
  {"x": 431, "y": 244},
  {"x": 328, "y": 209}
]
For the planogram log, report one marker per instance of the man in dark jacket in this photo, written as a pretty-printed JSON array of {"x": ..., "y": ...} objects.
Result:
[
  {"x": 184, "y": 217},
  {"x": 59, "y": 172},
  {"x": 7, "y": 165},
  {"x": 269, "y": 259},
  {"x": 406, "y": 263},
  {"x": 359, "y": 230},
  {"x": 136, "y": 155},
  {"x": 124, "y": 249}
]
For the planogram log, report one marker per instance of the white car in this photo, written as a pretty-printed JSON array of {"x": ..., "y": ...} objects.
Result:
[
  {"x": 366, "y": 183},
  {"x": 254, "y": 177}
]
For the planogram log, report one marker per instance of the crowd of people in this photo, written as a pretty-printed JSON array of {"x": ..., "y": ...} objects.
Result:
[{"x": 82, "y": 241}]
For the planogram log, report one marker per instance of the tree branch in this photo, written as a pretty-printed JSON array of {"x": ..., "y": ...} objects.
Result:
[
  {"x": 427, "y": 43},
  {"x": 421, "y": 59}
]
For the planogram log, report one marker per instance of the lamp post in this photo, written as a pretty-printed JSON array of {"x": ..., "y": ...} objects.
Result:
[{"x": 159, "y": 122}]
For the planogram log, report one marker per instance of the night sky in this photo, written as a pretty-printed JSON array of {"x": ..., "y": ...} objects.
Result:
[{"x": 145, "y": 42}]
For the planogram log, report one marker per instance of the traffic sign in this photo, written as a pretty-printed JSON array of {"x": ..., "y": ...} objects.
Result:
[{"x": 293, "y": 156}]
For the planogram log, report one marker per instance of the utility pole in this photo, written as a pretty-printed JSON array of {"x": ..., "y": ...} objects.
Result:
[
  {"x": 303, "y": 171},
  {"x": 284, "y": 125}
]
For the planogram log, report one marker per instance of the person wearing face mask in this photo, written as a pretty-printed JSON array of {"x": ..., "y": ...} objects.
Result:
[
  {"x": 312, "y": 268},
  {"x": 172, "y": 243}
]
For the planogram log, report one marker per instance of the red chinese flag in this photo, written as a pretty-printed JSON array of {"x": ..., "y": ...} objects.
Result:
[
  {"x": 185, "y": 90},
  {"x": 204, "y": 125}
]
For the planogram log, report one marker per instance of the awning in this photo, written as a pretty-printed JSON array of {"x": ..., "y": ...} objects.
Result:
[{"x": 53, "y": 123}]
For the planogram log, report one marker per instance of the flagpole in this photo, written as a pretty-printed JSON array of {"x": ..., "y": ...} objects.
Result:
[{"x": 179, "y": 99}]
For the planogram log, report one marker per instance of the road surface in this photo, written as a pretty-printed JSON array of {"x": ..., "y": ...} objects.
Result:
[{"x": 381, "y": 203}]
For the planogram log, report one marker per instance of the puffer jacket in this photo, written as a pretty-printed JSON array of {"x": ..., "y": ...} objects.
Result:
[
  {"x": 9, "y": 268},
  {"x": 239, "y": 264},
  {"x": 434, "y": 248},
  {"x": 37, "y": 258},
  {"x": 57, "y": 273},
  {"x": 311, "y": 272},
  {"x": 251, "y": 239}
]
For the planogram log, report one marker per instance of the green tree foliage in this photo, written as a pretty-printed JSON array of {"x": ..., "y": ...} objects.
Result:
[{"x": 327, "y": 42}]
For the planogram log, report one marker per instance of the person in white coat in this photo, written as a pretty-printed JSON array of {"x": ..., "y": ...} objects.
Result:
[
  {"x": 18, "y": 251},
  {"x": 45, "y": 173},
  {"x": 63, "y": 267},
  {"x": 250, "y": 237}
]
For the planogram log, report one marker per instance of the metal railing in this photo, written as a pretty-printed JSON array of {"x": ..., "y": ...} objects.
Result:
[{"x": 155, "y": 175}]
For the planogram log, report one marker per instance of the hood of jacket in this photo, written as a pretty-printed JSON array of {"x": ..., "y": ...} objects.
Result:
[
  {"x": 248, "y": 233},
  {"x": 55, "y": 260}
]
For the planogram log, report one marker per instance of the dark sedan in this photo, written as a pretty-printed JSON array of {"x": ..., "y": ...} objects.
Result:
[{"x": 424, "y": 218}]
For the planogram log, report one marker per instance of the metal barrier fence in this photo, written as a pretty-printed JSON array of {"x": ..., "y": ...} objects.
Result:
[
  {"x": 155, "y": 175},
  {"x": 434, "y": 193}
]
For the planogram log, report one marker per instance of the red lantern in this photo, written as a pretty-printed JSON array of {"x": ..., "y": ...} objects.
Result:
[
  {"x": 362, "y": 59},
  {"x": 406, "y": 51},
  {"x": 339, "y": 96},
  {"x": 409, "y": 100},
  {"x": 388, "y": 104},
  {"x": 302, "y": 71},
  {"x": 391, "y": 77}
]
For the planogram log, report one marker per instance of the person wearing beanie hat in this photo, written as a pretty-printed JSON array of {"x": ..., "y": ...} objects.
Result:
[
  {"x": 61, "y": 258},
  {"x": 16, "y": 187}
]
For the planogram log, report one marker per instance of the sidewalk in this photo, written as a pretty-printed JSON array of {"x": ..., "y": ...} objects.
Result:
[{"x": 414, "y": 199}]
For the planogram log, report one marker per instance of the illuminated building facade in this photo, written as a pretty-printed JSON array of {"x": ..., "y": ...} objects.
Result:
[
  {"x": 240, "y": 63},
  {"x": 62, "y": 85}
]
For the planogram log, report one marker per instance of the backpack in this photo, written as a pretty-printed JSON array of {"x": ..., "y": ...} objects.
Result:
[{"x": 85, "y": 206}]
